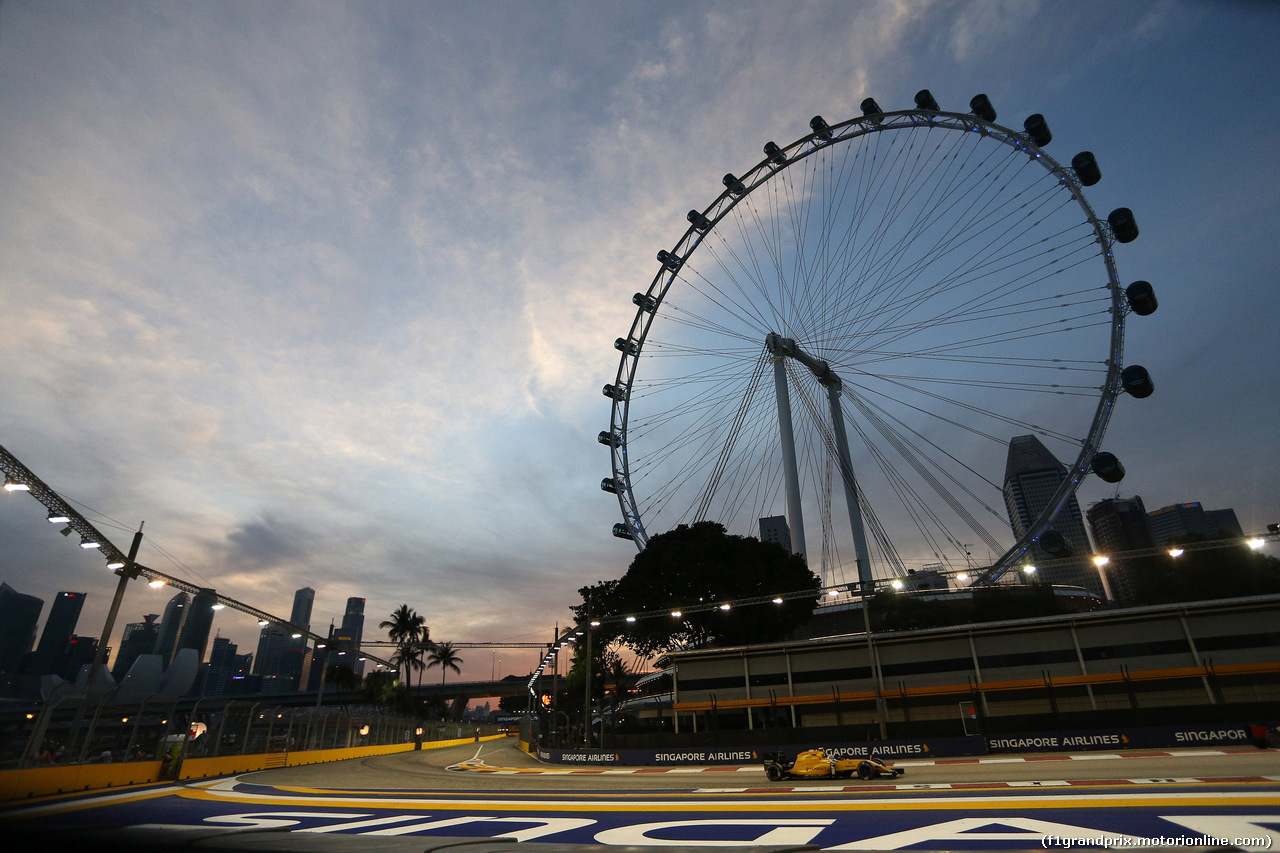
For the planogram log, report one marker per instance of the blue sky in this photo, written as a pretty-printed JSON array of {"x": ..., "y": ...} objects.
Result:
[{"x": 326, "y": 292}]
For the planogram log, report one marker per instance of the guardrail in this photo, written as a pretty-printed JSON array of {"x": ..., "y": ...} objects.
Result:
[
  {"x": 41, "y": 781},
  {"x": 65, "y": 733}
]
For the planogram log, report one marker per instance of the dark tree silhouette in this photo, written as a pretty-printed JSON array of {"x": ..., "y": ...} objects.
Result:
[
  {"x": 408, "y": 630},
  {"x": 1204, "y": 575},
  {"x": 445, "y": 656},
  {"x": 701, "y": 565}
]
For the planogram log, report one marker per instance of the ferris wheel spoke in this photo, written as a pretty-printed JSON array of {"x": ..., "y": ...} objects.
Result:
[
  {"x": 959, "y": 414},
  {"x": 926, "y": 466}
]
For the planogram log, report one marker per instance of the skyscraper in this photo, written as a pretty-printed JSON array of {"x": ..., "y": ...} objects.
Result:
[
  {"x": 50, "y": 654},
  {"x": 1118, "y": 525},
  {"x": 79, "y": 652},
  {"x": 294, "y": 654},
  {"x": 303, "y": 600},
  {"x": 271, "y": 644},
  {"x": 222, "y": 665},
  {"x": 1181, "y": 520},
  {"x": 199, "y": 621},
  {"x": 19, "y": 614},
  {"x": 1032, "y": 475},
  {"x": 352, "y": 631},
  {"x": 175, "y": 613},
  {"x": 139, "y": 638},
  {"x": 774, "y": 529}
]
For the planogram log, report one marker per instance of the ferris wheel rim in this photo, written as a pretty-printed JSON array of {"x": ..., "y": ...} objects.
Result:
[{"x": 774, "y": 165}]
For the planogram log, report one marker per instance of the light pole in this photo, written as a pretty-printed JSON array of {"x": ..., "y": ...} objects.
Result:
[
  {"x": 126, "y": 572},
  {"x": 587, "y": 673},
  {"x": 1101, "y": 561}
]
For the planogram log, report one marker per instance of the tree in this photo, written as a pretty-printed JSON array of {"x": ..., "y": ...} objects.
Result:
[
  {"x": 445, "y": 656},
  {"x": 406, "y": 628},
  {"x": 343, "y": 677},
  {"x": 383, "y": 689},
  {"x": 408, "y": 654},
  {"x": 697, "y": 568},
  {"x": 421, "y": 649},
  {"x": 1204, "y": 575}
]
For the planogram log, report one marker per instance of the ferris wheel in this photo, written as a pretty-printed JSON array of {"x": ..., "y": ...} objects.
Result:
[{"x": 857, "y": 327}]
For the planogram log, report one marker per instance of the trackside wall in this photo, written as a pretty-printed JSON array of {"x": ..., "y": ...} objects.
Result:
[{"x": 35, "y": 782}]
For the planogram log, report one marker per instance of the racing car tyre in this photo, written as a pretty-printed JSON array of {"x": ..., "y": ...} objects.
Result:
[
  {"x": 774, "y": 772},
  {"x": 866, "y": 771}
]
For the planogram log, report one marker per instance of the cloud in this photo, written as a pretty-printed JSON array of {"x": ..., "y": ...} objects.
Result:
[
  {"x": 327, "y": 293},
  {"x": 264, "y": 542},
  {"x": 981, "y": 23}
]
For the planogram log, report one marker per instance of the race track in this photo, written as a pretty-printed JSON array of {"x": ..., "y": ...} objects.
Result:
[{"x": 501, "y": 794}]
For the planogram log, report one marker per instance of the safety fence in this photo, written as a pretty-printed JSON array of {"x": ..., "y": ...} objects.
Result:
[
  {"x": 75, "y": 732},
  {"x": 46, "y": 780}
]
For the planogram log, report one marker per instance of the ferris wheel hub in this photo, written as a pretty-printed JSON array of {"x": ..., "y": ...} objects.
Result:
[{"x": 780, "y": 347}]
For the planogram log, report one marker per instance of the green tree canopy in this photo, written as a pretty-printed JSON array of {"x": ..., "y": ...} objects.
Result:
[{"x": 701, "y": 565}]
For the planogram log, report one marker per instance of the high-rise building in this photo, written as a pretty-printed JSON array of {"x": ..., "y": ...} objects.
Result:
[
  {"x": 79, "y": 652},
  {"x": 353, "y": 620},
  {"x": 1181, "y": 520},
  {"x": 222, "y": 666},
  {"x": 199, "y": 621},
  {"x": 774, "y": 529},
  {"x": 303, "y": 600},
  {"x": 352, "y": 631},
  {"x": 1119, "y": 525},
  {"x": 175, "y": 613},
  {"x": 58, "y": 630},
  {"x": 294, "y": 656},
  {"x": 19, "y": 614},
  {"x": 272, "y": 640},
  {"x": 139, "y": 638},
  {"x": 1032, "y": 475}
]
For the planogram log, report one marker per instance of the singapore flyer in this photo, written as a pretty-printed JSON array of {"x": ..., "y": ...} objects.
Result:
[{"x": 852, "y": 332}]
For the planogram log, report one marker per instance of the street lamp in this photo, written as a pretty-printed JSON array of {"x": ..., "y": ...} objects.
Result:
[{"x": 1101, "y": 561}]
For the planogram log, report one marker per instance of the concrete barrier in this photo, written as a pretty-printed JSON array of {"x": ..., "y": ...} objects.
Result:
[{"x": 33, "y": 782}]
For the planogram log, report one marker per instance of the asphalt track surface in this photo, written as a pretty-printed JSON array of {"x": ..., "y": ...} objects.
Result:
[
  {"x": 469, "y": 797},
  {"x": 501, "y": 766}
]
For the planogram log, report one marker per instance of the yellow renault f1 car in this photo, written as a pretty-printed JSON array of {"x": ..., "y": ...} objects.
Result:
[{"x": 815, "y": 764}]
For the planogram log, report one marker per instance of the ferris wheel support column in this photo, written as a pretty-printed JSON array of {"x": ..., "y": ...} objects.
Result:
[
  {"x": 795, "y": 517},
  {"x": 861, "y": 553}
]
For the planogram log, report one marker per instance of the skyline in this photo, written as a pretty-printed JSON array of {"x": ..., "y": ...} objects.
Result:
[{"x": 326, "y": 294}]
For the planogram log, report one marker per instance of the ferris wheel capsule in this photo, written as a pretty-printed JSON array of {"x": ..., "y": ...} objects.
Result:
[
  {"x": 981, "y": 107},
  {"x": 1038, "y": 130}
]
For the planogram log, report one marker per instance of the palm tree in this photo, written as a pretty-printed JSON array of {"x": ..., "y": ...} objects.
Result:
[
  {"x": 445, "y": 656},
  {"x": 421, "y": 648},
  {"x": 406, "y": 628},
  {"x": 408, "y": 654}
]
